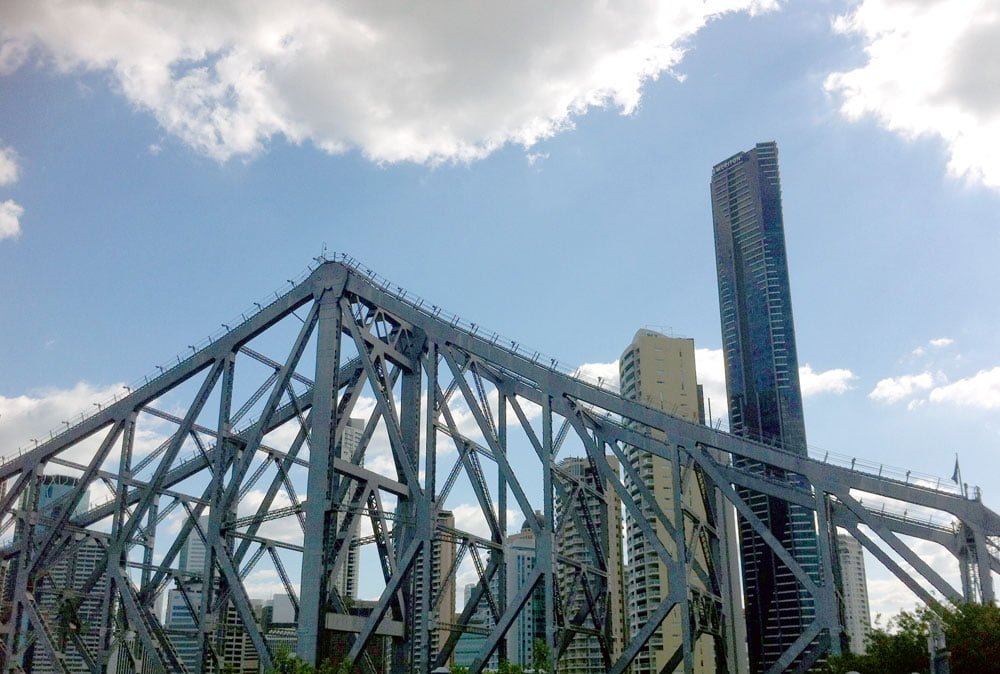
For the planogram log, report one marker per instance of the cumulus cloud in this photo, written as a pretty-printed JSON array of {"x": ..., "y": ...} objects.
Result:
[
  {"x": 941, "y": 342},
  {"x": 10, "y": 219},
  {"x": 438, "y": 82},
  {"x": 9, "y": 169},
  {"x": 982, "y": 390},
  {"x": 33, "y": 415},
  {"x": 894, "y": 389},
  {"x": 711, "y": 368},
  {"x": 836, "y": 380},
  {"x": 599, "y": 373},
  {"x": 932, "y": 70}
]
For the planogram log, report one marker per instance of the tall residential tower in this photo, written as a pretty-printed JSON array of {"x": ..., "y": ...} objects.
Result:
[
  {"x": 659, "y": 371},
  {"x": 762, "y": 385}
]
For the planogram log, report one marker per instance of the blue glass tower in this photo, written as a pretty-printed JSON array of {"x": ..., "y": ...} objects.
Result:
[{"x": 762, "y": 386}]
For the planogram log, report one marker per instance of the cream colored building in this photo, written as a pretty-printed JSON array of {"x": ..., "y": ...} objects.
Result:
[
  {"x": 857, "y": 618},
  {"x": 660, "y": 372}
]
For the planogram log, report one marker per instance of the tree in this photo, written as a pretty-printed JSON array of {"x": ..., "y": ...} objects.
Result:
[
  {"x": 972, "y": 632},
  {"x": 541, "y": 658}
]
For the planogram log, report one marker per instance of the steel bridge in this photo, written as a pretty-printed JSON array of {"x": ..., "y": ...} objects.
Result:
[{"x": 219, "y": 446}]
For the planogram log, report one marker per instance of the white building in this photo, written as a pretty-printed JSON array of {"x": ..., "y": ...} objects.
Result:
[{"x": 857, "y": 620}]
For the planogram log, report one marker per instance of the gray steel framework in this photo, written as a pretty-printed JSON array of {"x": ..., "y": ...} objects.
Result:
[{"x": 449, "y": 404}]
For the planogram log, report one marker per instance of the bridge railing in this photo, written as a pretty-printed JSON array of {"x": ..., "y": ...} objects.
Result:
[{"x": 513, "y": 347}]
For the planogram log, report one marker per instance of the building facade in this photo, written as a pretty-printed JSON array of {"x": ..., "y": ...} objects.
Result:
[
  {"x": 520, "y": 557},
  {"x": 660, "y": 372},
  {"x": 762, "y": 385},
  {"x": 602, "y": 509},
  {"x": 854, "y": 585},
  {"x": 60, "y": 599}
]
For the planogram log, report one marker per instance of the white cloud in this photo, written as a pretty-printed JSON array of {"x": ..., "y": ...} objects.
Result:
[
  {"x": 469, "y": 517},
  {"x": 9, "y": 168},
  {"x": 605, "y": 374},
  {"x": 837, "y": 380},
  {"x": 981, "y": 390},
  {"x": 263, "y": 584},
  {"x": 941, "y": 342},
  {"x": 894, "y": 389},
  {"x": 933, "y": 70},
  {"x": 32, "y": 416},
  {"x": 10, "y": 219},
  {"x": 711, "y": 367},
  {"x": 436, "y": 82}
]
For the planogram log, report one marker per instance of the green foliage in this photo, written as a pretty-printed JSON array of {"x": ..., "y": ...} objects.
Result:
[
  {"x": 541, "y": 657},
  {"x": 285, "y": 662},
  {"x": 509, "y": 668},
  {"x": 456, "y": 669},
  {"x": 972, "y": 633}
]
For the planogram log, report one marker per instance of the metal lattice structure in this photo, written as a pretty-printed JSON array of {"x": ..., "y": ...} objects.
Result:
[{"x": 218, "y": 447}]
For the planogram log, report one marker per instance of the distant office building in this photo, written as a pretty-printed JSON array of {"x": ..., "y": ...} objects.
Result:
[
  {"x": 471, "y": 642},
  {"x": 442, "y": 589},
  {"x": 762, "y": 384},
  {"x": 520, "y": 555},
  {"x": 603, "y": 512},
  {"x": 59, "y": 594},
  {"x": 181, "y": 625},
  {"x": 279, "y": 611},
  {"x": 659, "y": 371},
  {"x": 857, "y": 617},
  {"x": 346, "y": 581},
  {"x": 183, "y": 606}
]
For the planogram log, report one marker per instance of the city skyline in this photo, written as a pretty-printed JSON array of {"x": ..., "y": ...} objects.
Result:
[{"x": 889, "y": 245}]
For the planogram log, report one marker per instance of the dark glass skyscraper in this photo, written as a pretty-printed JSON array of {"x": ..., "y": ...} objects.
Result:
[{"x": 762, "y": 385}]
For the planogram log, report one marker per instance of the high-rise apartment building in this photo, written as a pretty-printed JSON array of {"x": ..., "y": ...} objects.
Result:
[
  {"x": 60, "y": 598},
  {"x": 603, "y": 512},
  {"x": 762, "y": 385},
  {"x": 854, "y": 584},
  {"x": 442, "y": 590},
  {"x": 346, "y": 582},
  {"x": 659, "y": 371}
]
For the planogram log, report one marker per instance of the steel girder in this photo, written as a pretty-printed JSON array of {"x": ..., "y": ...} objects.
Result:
[{"x": 437, "y": 398}]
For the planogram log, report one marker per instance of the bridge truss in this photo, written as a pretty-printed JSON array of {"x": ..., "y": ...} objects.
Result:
[{"x": 247, "y": 453}]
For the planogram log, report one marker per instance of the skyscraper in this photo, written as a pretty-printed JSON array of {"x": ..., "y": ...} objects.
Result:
[
  {"x": 857, "y": 617},
  {"x": 762, "y": 385}
]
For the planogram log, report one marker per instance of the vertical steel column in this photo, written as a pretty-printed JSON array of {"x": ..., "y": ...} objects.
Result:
[
  {"x": 502, "y": 518},
  {"x": 430, "y": 494},
  {"x": 211, "y": 617},
  {"x": 983, "y": 566},
  {"x": 121, "y": 512},
  {"x": 679, "y": 570},
  {"x": 546, "y": 549},
  {"x": 18, "y": 636},
  {"x": 322, "y": 481},
  {"x": 418, "y": 506},
  {"x": 827, "y": 609}
]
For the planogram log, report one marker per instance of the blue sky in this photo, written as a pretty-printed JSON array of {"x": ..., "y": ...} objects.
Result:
[{"x": 546, "y": 176}]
